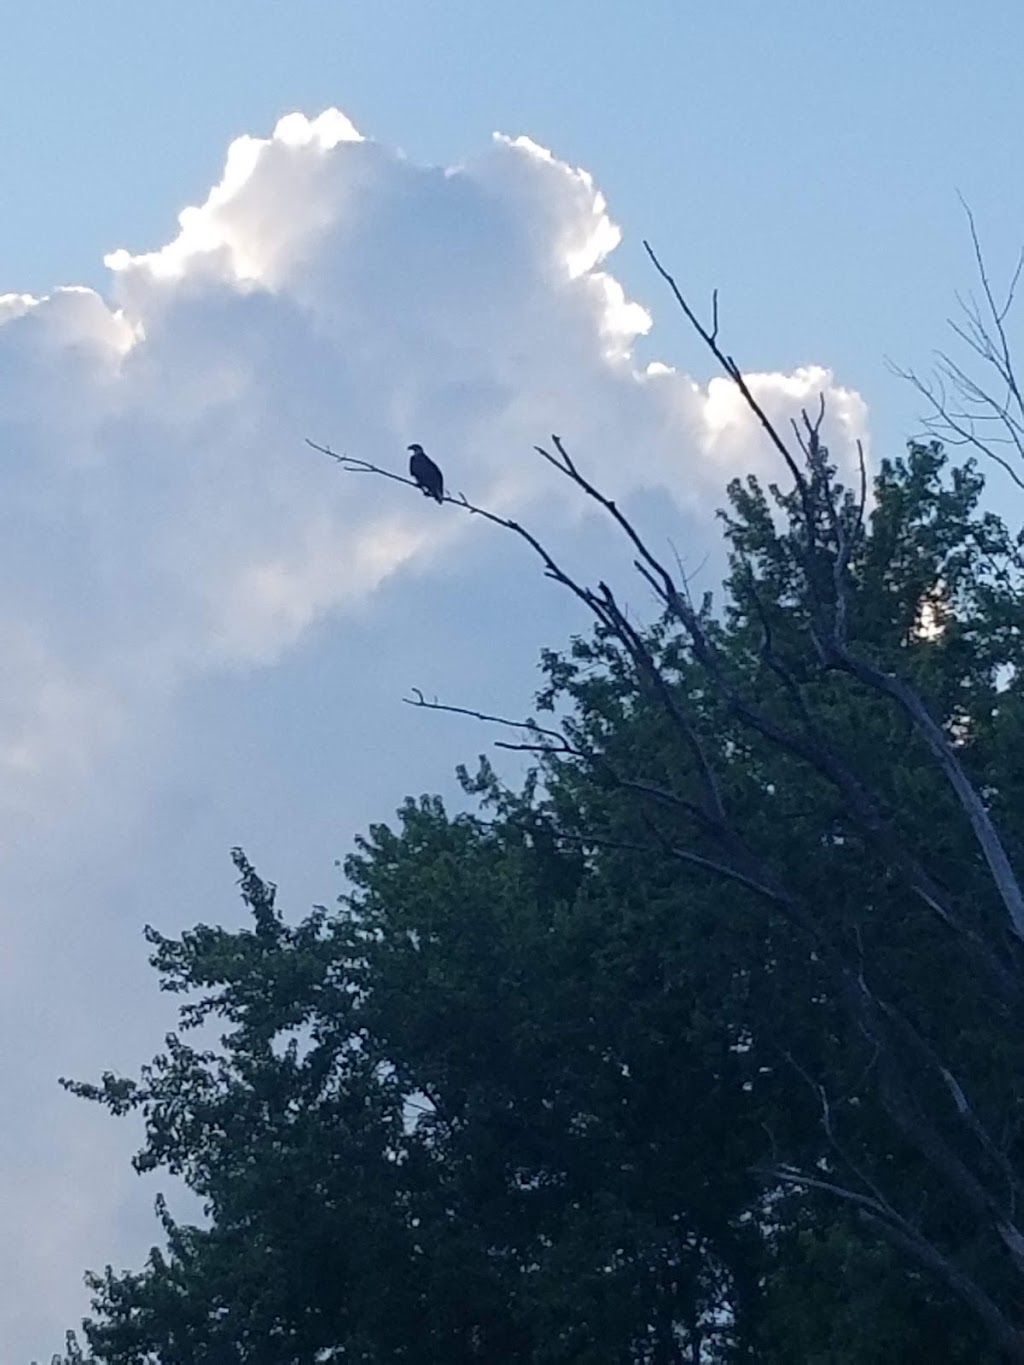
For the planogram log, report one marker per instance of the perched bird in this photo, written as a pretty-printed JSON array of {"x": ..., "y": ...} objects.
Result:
[{"x": 426, "y": 473}]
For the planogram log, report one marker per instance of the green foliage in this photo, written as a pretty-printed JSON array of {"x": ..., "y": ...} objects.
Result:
[
  {"x": 834, "y": 1296},
  {"x": 515, "y": 1099}
]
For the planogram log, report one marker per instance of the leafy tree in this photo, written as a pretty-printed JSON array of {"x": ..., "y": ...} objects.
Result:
[
  {"x": 537, "y": 1090},
  {"x": 450, "y": 1159},
  {"x": 703, "y": 1045},
  {"x": 72, "y": 1354}
]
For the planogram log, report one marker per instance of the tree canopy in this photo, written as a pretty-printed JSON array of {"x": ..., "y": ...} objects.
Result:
[{"x": 701, "y": 1045}]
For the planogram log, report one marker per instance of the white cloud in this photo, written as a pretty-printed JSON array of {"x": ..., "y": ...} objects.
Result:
[
  {"x": 156, "y": 480},
  {"x": 163, "y": 526},
  {"x": 241, "y": 226},
  {"x": 730, "y": 426}
]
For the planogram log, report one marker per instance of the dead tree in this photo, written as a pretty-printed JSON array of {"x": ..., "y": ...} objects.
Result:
[
  {"x": 978, "y": 402},
  {"x": 927, "y": 1104}
]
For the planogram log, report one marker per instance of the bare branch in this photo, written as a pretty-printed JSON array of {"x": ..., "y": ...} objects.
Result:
[
  {"x": 977, "y": 415},
  {"x": 903, "y": 1235},
  {"x": 1006, "y": 882},
  {"x": 953, "y": 428},
  {"x": 904, "y": 1062},
  {"x": 834, "y": 645},
  {"x": 909, "y": 1240},
  {"x": 419, "y": 700},
  {"x": 551, "y": 568},
  {"x": 355, "y": 466},
  {"x": 828, "y": 1127},
  {"x": 730, "y": 367}
]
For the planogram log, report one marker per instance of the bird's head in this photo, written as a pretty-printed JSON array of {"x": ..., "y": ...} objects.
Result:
[{"x": 416, "y": 449}]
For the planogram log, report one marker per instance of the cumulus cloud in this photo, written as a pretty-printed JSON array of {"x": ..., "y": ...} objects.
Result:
[
  {"x": 162, "y": 524},
  {"x": 155, "y": 484}
]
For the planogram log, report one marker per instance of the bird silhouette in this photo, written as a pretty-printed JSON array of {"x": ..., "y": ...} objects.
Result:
[{"x": 426, "y": 473}]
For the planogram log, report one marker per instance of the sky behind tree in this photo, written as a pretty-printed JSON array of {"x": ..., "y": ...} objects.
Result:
[{"x": 208, "y": 628}]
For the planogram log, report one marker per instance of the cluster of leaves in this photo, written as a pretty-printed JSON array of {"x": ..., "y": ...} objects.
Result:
[{"x": 534, "y": 1091}]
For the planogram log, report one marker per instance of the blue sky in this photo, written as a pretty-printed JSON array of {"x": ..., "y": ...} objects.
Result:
[
  {"x": 207, "y": 629},
  {"x": 801, "y": 156}
]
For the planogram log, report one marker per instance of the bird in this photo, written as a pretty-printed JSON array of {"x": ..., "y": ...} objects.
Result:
[{"x": 426, "y": 473}]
